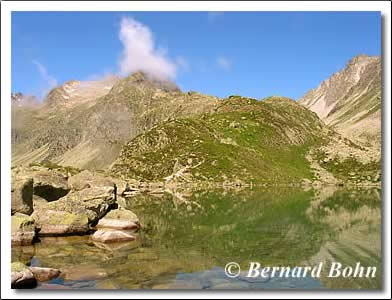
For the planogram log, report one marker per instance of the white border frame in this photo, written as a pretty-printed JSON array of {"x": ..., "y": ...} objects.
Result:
[{"x": 7, "y": 7}]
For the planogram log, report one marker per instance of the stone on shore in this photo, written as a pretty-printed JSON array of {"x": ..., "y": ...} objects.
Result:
[
  {"x": 119, "y": 219},
  {"x": 95, "y": 202},
  {"x": 21, "y": 194},
  {"x": 22, "y": 230},
  {"x": 58, "y": 223},
  {"x": 22, "y": 277},
  {"x": 74, "y": 213}
]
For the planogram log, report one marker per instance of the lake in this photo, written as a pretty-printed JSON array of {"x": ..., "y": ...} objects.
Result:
[{"x": 188, "y": 237}]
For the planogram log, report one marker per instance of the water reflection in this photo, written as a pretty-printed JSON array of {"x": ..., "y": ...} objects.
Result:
[{"x": 189, "y": 236}]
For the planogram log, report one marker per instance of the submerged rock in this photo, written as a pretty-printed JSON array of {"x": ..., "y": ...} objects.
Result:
[
  {"x": 119, "y": 219},
  {"x": 22, "y": 230},
  {"x": 44, "y": 274},
  {"x": 110, "y": 236},
  {"x": 22, "y": 277},
  {"x": 83, "y": 272}
]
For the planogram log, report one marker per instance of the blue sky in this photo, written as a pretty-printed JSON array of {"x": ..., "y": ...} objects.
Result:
[{"x": 255, "y": 54}]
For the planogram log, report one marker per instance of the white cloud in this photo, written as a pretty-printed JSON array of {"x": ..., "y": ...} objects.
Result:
[
  {"x": 50, "y": 81},
  {"x": 223, "y": 63},
  {"x": 140, "y": 52}
]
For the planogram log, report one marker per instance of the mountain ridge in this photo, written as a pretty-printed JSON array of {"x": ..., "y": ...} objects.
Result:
[{"x": 350, "y": 100}]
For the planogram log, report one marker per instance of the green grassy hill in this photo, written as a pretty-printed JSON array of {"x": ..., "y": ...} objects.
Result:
[{"x": 244, "y": 139}]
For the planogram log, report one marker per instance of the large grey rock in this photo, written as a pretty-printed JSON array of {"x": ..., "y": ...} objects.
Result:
[
  {"x": 58, "y": 223},
  {"x": 22, "y": 230},
  {"x": 119, "y": 219},
  {"x": 22, "y": 277},
  {"x": 21, "y": 194},
  {"x": 74, "y": 213},
  {"x": 95, "y": 202}
]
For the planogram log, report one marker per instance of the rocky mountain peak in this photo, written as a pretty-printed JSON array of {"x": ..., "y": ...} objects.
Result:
[
  {"x": 75, "y": 92},
  {"x": 350, "y": 95},
  {"x": 143, "y": 80}
]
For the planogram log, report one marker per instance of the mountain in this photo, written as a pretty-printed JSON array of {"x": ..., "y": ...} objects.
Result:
[
  {"x": 350, "y": 100},
  {"x": 143, "y": 128},
  {"x": 85, "y": 124}
]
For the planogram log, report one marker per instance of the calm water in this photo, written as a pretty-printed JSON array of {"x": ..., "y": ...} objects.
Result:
[{"x": 189, "y": 236}]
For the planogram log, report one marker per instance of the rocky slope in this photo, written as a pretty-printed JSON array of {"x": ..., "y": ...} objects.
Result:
[
  {"x": 85, "y": 124},
  {"x": 350, "y": 100}
]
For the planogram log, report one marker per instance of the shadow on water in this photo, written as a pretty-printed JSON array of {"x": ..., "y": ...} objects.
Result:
[{"x": 189, "y": 236}]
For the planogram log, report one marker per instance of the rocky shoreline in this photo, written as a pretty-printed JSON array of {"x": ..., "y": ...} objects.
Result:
[{"x": 50, "y": 203}]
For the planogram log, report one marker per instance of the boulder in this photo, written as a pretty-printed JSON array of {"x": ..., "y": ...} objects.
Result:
[
  {"x": 21, "y": 194},
  {"x": 22, "y": 277},
  {"x": 22, "y": 230},
  {"x": 95, "y": 202},
  {"x": 57, "y": 223},
  {"x": 38, "y": 202},
  {"x": 50, "y": 184},
  {"x": 74, "y": 213},
  {"x": 119, "y": 219},
  {"x": 87, "y": 179},
  {"x": 44, "y": 274},
  {"x": 110, "y": 236}
]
